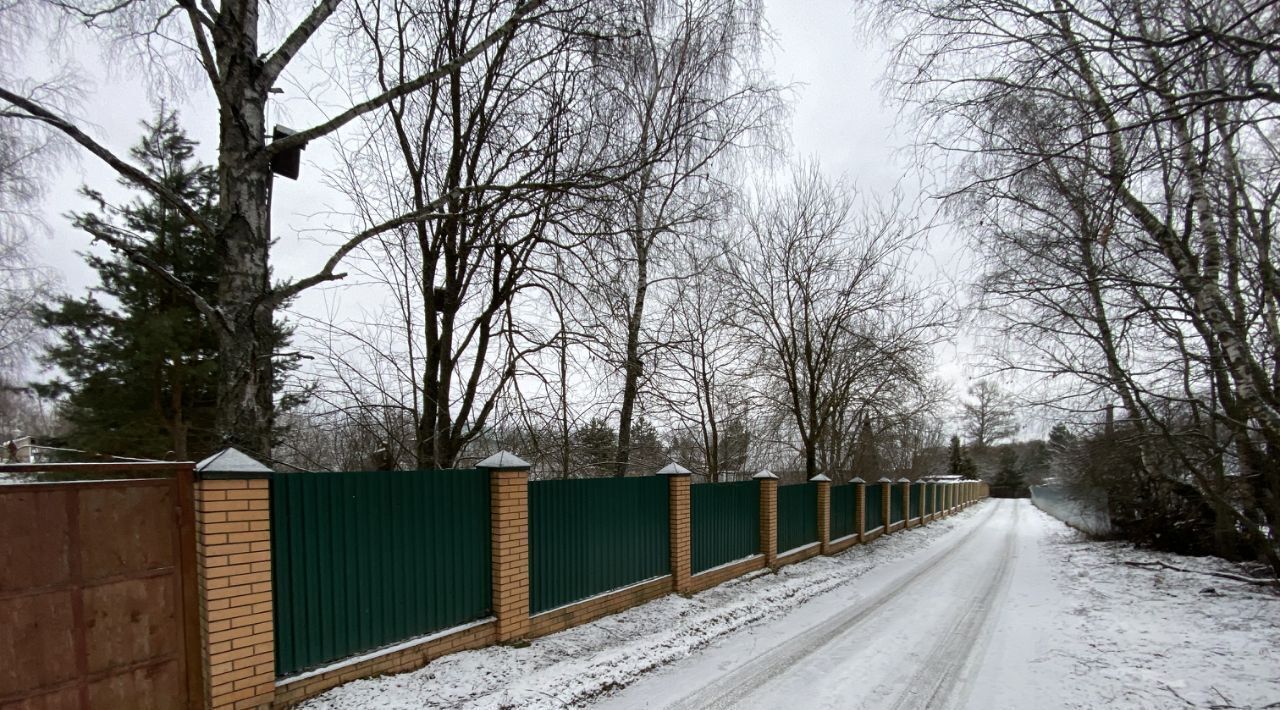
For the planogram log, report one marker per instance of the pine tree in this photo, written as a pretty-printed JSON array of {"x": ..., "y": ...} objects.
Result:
[
  {"x": 959, "y": 463},
  {"x": 139, "y": 363},
  {"x": 595, "y": 444}
]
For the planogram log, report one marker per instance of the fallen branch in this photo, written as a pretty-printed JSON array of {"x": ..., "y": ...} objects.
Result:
[{"x": 1224, "y": 575}]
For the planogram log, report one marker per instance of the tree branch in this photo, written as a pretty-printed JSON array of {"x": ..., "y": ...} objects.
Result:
[
  {"x": 300, "y": 138},
  {"x": 208, "y": 310},
  {"x": 292, "y": 44},
  {"x": 39, "y": 113}
]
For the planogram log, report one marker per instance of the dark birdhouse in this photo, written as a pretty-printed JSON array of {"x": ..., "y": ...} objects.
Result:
[
  {"x": 286, "y": 163},
  {"x": 442, "y": 300}
]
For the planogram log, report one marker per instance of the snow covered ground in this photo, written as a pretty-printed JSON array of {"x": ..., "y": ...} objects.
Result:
[{"x": 998, "y": 607}]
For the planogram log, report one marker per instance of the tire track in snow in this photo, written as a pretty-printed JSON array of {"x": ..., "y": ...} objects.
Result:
[
  {"x": 730, "y": 690},
  {"x": 943, "y": 671}
]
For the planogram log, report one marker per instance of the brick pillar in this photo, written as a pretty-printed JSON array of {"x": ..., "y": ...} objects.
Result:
[
  {"x": 860, "y": 522},
  {"x": 824, "y": 511},
  {"x": 509, "y": 546},
  {"x": 906, "y": 502},
  {"x": 680, "y": 527},
  {"x": 886, "y": 502},
  {"x": 768, "y": 517},
  {"x": 233, "y": 564}
]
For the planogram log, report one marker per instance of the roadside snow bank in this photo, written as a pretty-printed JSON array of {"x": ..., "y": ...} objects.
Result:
[
  {"x": 1154, "y": 638},
  {"x": 574, "y": 666}
]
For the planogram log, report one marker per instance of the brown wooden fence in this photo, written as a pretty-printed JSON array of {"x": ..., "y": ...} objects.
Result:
[{"x": 98, "y": 598}]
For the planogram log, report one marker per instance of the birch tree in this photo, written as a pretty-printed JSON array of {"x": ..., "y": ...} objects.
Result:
[
  {"x": 1120, "y": 169},
  {"x": 691, "y": 94},
  {"x": 241, "y": 58}
]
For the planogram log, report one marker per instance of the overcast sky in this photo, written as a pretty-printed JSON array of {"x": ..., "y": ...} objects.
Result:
[{"x": 839, "y": 118}]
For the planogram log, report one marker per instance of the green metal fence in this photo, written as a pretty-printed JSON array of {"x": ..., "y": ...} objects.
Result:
[
  {"x": 592, "y": 535},
  {"x": 917, "y": 500},
  {"x": 725, "y": 522},
  {"x": 844, "y": 510},
  {"x": 363, "y": 560},
  {"x": 875, "y": 506},
  {"x": 895, "y": 503},
  {"x": 797, "y": 515}
]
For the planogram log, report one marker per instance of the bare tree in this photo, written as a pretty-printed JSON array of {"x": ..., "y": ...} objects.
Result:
[
  {"x": 702, "y": 378},
  {"x": 692, "y": 94},
  {"x": 225, "y": 42},
  {"x": 1130, "y": 250},
  {"x": 989, "y": 414},
  {"x": 516, "y": 140},
  {"x": 829, "y": 316}
]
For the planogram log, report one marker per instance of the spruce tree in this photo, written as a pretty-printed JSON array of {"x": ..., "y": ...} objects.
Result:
[{"x": 138, "y": 362}]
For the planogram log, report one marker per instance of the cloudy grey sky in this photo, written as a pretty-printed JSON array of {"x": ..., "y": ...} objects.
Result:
[{"x": 839, "y": 118}]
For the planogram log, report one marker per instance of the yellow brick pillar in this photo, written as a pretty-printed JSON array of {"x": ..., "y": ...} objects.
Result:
[
  {"x": 233, "y": 566},
  {"x": 824, "y": 511},
  {"x": 886, "y": 503},
  {"x": 681, "y": 530},
  {"x": 768, "y": 517},
  {"x": 906, "y": 502},
  {"x": 860, "y": 496},
  {"x": 509, "y": 543}
]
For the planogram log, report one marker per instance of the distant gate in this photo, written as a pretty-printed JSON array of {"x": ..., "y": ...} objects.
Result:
[{"x": 98, "y": 590}]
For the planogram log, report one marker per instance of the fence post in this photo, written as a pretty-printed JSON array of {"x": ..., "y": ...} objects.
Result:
[
  {"x": 680, "y": 530},
  {"x": 768, "y": 517},
  {"x": 509, "y": 542},
  {"x": 233, "y": 564},
  {"x": 886, "y": 503},
  {"x": 905, "y": 485},
  {"x": 860, "y": 509},
  {"x": 824, "y": 511}
]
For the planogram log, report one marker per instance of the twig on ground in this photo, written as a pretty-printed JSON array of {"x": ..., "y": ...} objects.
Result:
[
  {"x": 1177, "y": 695},
  {"x": 1224, "y": 575}
]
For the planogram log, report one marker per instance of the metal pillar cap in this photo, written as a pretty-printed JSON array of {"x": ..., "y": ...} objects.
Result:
[{"x": 504, "y": 461}]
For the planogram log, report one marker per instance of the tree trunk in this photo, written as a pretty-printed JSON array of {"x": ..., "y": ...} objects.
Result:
[
  {"x": 245, "y": 405},
  {"x": 634, "y": 367}
]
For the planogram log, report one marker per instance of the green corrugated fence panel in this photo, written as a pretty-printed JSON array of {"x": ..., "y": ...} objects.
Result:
[
  {"x": 725, "y": 522},
  {"x": 931, "y": 498},
  {"x": 895, "y": 503},
  {"x": 593, "y": 535},
  {"x": 368, "y": 559},
  {"x": 797, "y": 515},
  {"x": 875, "y": 506},
  {"x": 844, "y": 510},
  {"x": 914, "y": 500}
]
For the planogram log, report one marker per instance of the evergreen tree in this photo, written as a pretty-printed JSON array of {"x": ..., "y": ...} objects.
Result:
[
  {"x": 959, "y": 463},
  {"x": 1009, "y": 475},
  {"x": 139, "y": 362},
  {"x": 595, "y": 444}
]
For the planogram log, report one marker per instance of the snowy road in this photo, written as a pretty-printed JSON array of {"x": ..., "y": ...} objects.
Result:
[
  {"x": 998, "y": 607},
  {"x": 924, "y": 632}
]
